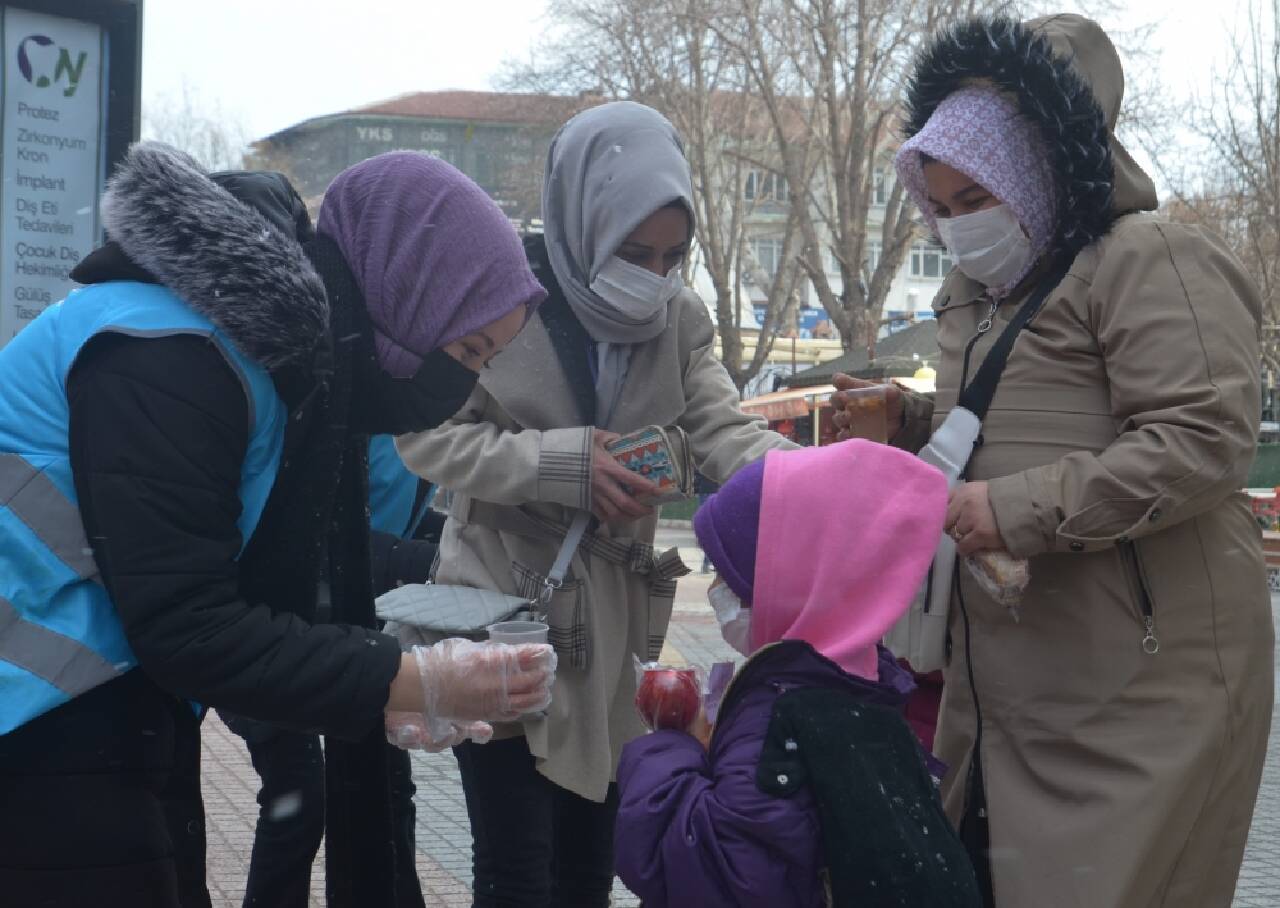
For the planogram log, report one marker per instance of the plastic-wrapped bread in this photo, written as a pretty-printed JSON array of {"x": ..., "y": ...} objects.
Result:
[{"x": 1001, "y": 576}]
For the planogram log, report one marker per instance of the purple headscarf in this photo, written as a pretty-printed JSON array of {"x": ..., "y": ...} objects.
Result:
[
  {"x": 434, "y": 256},
  {"x": 979, "y": 131}
]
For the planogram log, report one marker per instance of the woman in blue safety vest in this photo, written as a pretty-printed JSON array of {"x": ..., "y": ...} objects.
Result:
[{"x": 179, "y": 442}]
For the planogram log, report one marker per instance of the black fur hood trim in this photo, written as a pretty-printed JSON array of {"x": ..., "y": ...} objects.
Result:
[
  {"x": 224, "y": 258},
  {"x": 1049, "y": 91}
]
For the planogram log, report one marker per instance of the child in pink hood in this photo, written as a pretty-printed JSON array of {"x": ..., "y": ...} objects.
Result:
[{"x": 818, "y": 552}]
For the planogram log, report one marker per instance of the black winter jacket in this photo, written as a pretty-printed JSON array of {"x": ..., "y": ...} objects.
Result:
[{"x": 158, "y": 432}]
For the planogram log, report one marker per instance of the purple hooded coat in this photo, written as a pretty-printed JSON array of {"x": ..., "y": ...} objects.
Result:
[{"x": 694, "y": 829}]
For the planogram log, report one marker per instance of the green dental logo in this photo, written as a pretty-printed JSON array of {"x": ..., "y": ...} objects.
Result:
[{"x": 65, "y": 70}]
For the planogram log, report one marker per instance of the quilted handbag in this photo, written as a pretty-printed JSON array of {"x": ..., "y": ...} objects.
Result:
[
  {"x": 428, "y": 612},
  {"x": 437, "y": 611}
]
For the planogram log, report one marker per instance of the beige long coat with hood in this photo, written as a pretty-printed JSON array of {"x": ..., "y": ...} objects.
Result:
[
  {"x": 1117, "y": 776},
  {"x": 518, "y": 459}
]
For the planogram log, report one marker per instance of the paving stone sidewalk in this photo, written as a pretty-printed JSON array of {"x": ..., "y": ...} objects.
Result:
[
  {"x": 444, "y": 839},
  {"x": 1259, "y": 884}
]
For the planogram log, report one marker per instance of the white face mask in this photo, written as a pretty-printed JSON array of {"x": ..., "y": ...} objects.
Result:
[
  {"x": 735, "y": 621},
  {"x": 635, "y": 292},
  {"x": 989, "y": 246}
]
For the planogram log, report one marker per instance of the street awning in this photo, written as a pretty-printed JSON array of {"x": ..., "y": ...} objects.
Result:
[{"x": 792, "y": 403}]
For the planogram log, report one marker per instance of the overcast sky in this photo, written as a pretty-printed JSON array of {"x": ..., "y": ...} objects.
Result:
[{"x": 271, "y": 63}]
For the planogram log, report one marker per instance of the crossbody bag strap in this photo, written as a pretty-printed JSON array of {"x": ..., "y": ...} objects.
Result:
[
  {"x": 977, "y": 395},
  {"x": 572, "y": 539}
]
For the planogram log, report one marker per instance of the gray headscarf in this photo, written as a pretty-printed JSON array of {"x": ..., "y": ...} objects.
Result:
[{"x": 608, "y": 169}]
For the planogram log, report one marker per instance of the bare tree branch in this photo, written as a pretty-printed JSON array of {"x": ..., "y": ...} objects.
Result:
[
  {"x": 1236, "y": 189},
  {"x": 200, "y": 128}
]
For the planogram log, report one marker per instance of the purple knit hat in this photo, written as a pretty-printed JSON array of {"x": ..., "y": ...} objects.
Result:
[
  {"x": 728, "y": 525},
  {"x": 434, "y": 256}
]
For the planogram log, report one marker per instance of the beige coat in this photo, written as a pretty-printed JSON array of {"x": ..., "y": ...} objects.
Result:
[
  {"x": 1116, "y": 447},
  {"x": 1117, "y": 775},
  {"x": 516, "y": 445}
]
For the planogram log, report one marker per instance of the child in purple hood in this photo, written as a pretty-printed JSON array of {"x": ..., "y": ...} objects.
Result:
[{"x": 818, "y": 552}]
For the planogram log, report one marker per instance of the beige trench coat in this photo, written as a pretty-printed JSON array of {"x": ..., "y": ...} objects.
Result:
[
  {"x": 1115, "y": 448},
  {"x": 516, "y": 445}
]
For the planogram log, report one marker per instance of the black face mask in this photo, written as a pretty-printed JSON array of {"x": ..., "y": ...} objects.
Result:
[{"x": 395, "y": 406}]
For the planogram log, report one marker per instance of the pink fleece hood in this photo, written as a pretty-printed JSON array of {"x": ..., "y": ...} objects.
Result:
[{"x": 847, "y": 534}]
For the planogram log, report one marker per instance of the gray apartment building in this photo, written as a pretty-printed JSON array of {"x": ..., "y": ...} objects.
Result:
[{"x": 499, "y": 140}]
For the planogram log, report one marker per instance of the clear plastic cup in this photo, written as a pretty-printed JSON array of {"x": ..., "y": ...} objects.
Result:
[
  {"x": 868, "y": 410},
  {"x": 518, "y": 632}
]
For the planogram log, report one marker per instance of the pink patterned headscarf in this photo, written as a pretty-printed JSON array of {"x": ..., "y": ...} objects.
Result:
[{"x": 979, "y": 131}]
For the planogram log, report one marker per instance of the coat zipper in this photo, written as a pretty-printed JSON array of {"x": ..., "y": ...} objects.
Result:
[
  {"x": 983, "y": 327},
  {"x": 1150, "y": 643}
]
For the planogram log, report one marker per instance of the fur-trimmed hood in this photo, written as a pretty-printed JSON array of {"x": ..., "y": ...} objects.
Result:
[
  {"x": 224, "y": 257},
  {"x": 1066, "y": 77}
]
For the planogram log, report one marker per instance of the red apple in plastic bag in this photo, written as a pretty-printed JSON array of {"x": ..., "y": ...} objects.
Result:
[{"x": 669, "y": 698}]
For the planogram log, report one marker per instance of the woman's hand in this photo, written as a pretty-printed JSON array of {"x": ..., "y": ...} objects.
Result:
[
  {"x": 474, "y": 682},
  {"x": 971, "y": 521},
  {"x": 615, "y": 490},
  {"x": 845, "y": 418},
  {"x": 412, "y": 731}
]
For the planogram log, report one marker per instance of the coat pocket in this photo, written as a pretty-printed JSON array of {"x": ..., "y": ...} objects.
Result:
[
  {"x": 1131, "y": 559},
  {"x": 566, "y": 615}
]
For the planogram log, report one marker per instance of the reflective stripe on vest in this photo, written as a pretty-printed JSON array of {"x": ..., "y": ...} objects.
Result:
[
  {"x": 60, "y": 634},
  {"x": 60, "y": 661},
  {"x": 38, "y": 503}
]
